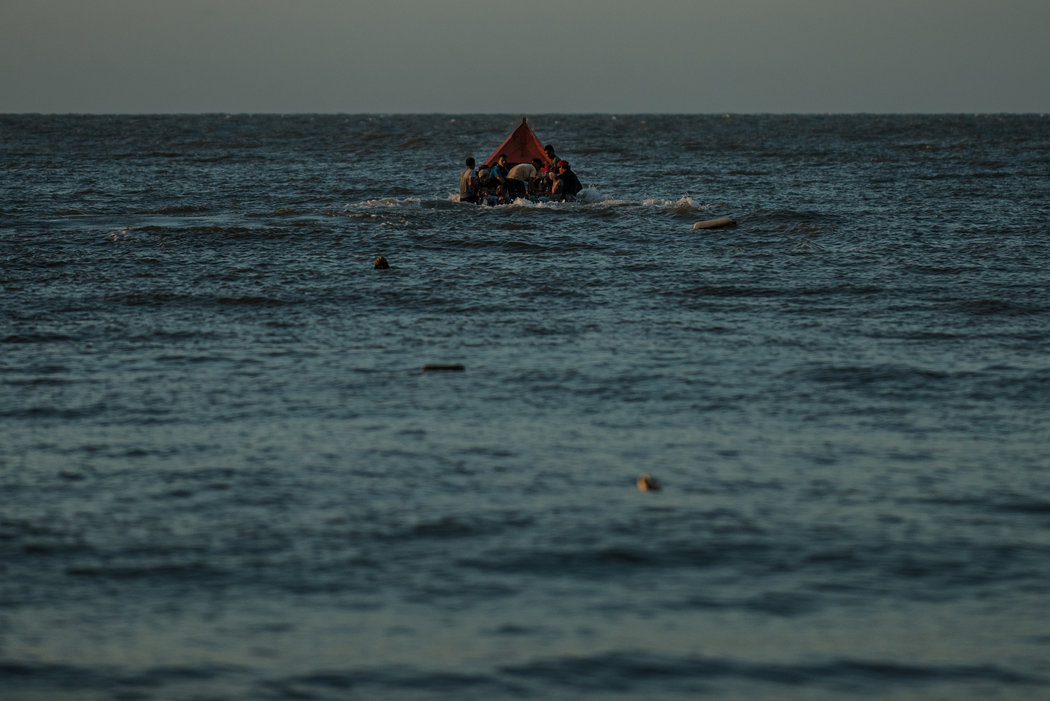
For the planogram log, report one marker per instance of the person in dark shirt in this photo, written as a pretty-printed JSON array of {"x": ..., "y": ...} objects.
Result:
[{"x": 566, "y": 184}]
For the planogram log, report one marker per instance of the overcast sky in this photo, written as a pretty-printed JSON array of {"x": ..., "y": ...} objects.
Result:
[{"x": 527, "y": 56}]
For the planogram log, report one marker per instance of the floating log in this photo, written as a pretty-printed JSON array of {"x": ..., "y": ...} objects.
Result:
[
  {"x": 448, "y": 367},
  {"x": 714, "y": 223}
]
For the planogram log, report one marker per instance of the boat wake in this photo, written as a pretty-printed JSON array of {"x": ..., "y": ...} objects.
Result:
[{"x": 589, "y": 199}]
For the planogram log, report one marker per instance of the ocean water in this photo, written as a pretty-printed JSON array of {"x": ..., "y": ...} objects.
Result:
[{"x": 224, "y": 473}]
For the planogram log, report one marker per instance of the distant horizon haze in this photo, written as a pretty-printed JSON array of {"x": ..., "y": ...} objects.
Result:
[{"x": 587, "y": 57}]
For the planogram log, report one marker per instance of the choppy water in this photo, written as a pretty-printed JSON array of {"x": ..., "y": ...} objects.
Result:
[{"x": 224, "y": 475}]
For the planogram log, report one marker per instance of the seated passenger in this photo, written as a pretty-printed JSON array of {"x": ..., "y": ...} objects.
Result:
[
  {"x": 552, "y": 158},
  {"x": 518, "y": 179},
  {"x": 469, "y": 184},
  {"x": 498, "y": 175},
  {"x": 540, "y": 183},
  {"x": 549, "y": 172},
  {"x": 499, "y": 172},
  {"x": 484, "y": 181},
  {"x": 567, "y": 185}
]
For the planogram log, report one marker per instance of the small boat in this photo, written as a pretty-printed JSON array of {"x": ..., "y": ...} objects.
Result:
[{"x": 522, "y": 147}]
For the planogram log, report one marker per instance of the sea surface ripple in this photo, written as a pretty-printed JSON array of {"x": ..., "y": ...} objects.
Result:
[{"x": 224, "y": 473}]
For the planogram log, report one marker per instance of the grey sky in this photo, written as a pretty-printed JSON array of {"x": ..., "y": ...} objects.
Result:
[{"x": 528, "y": 56}]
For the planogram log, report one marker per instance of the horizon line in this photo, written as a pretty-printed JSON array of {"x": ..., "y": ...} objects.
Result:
[{"x": 508, "y": 114}]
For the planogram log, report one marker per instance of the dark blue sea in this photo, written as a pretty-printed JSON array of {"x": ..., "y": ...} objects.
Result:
[{"x": 225, "y": 473}]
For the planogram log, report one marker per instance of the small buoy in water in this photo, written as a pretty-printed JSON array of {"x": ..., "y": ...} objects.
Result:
[
  {"x": 380, "y": 263},
  {"x": 453, "y": 367},
  {"x": 714, "y": 223},
  {"x": 647, "y": 483}
]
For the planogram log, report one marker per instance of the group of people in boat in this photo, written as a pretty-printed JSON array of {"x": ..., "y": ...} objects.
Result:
[{"x": 551, "y": 180}]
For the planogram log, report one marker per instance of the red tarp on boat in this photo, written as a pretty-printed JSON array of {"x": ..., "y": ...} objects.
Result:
[{"x": 521, "y": 147}]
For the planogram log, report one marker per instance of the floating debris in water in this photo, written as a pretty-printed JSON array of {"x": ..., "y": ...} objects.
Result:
[
  {"x": 448, "y": 367},
  {"x": 714, "y": 223},
  {"x": 380, "y": 263},
  {"x": 647, "y": 483}
]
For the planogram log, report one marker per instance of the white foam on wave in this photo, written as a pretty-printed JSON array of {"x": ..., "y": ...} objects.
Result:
[
  {"x": 589, "y": 198},
  {"x": 682, "y": 205},
  {"x": 589, "y": 195},
  {"x": 393, "y": 202}
]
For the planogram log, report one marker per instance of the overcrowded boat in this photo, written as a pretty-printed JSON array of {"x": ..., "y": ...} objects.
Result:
[{"x": 521, "y": 168}]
